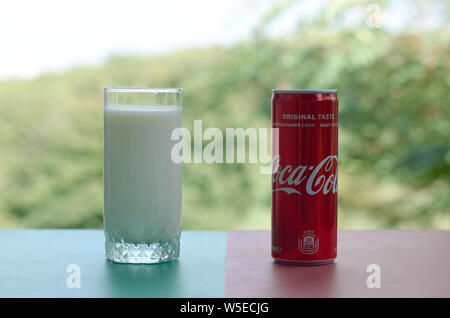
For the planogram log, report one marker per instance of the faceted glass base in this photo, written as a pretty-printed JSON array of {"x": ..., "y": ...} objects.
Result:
[{"x": 122, "y": 252}]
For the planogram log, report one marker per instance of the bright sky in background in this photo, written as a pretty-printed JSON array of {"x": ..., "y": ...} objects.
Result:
[{"x": 52, "y": 35}]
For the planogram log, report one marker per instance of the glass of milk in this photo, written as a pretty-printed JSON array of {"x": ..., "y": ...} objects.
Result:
[{"x": 142, "y": 185}]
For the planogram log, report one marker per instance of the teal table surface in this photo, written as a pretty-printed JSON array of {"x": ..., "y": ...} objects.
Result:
[{"x": 34, "y": 263}]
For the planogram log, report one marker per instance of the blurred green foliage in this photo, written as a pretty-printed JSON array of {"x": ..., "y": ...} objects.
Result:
[{"x": 394, "y": 127}]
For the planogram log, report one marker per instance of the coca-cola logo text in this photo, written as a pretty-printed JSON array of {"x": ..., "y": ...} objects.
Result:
[{"x": 321, "y": 178}]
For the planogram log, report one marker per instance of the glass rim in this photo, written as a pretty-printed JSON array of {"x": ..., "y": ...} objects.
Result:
[{"x": 177, "y": 90}]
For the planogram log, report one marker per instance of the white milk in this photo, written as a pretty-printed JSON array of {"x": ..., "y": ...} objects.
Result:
[{"x": 142, "y": 198}]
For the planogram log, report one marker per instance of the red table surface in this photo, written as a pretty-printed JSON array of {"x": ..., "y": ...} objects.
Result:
[{"x": 413, "y": 263}]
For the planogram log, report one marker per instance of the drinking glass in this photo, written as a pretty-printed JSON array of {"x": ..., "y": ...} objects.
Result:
[{"x": 142, "y": 185}]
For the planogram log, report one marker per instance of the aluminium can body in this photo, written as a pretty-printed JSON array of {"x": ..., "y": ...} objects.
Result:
[{"x": 304, "y": 176}]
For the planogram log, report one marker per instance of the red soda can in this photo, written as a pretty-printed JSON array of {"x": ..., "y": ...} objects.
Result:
[{"x": 304, "y": 176}]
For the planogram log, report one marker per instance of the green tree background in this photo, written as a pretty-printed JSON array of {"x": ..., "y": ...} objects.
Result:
[{"x": 394, "y": 147}]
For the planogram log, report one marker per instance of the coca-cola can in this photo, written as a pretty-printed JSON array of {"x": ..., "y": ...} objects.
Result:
[{"x": 304, "y": 176}]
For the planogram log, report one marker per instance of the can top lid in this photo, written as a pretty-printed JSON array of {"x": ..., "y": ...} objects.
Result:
[{"x": 304, "y": 91}]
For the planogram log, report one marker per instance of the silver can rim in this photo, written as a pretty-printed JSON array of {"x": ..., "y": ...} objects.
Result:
[{"x": 304, "y": 91}]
